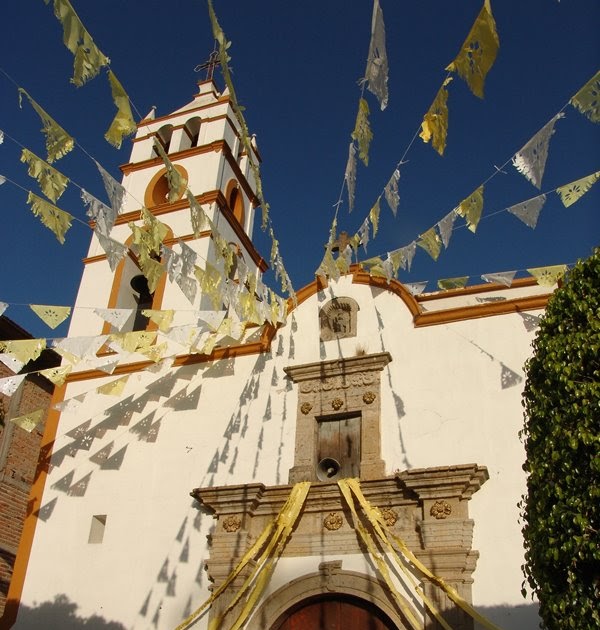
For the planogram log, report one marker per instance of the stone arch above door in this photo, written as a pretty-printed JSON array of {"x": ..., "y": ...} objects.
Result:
[{"x": 329, "y": 580}]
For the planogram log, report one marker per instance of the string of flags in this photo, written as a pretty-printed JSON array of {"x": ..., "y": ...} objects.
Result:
[{"x": 530, "y": 161}]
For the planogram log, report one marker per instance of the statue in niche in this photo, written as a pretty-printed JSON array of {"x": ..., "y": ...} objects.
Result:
[{"x": 337, "y": 319}]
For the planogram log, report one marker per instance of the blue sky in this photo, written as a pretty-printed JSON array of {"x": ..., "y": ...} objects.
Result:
[{"x": 296, "y": 67}]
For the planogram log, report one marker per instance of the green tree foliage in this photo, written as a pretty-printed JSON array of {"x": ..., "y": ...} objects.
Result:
[{"x": 561, "y": 511}]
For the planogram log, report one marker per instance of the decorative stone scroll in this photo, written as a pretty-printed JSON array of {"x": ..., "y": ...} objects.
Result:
[{"x": 337, "y": 318}]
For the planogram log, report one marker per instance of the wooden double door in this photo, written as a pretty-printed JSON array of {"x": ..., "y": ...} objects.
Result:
[{"x": 337, "y": 612}]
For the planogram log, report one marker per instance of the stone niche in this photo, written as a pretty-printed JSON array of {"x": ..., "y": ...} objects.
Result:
[
  {"x": 427, "y": 508},
  {"x": 346, "y": 393}
]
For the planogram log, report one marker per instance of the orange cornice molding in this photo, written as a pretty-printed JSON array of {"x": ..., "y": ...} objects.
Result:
[
  {"x": 151, "y": 134},
  {"x": 443, "y": 316},
  {"x": 34, "y": 504},
  {"x": 228, "y": 352},
  {"x": 150, "y": 121},
  {"x": 212, "y": 147}
]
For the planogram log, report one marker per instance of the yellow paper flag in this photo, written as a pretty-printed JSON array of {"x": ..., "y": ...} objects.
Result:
[
  {"x": 362, "y": 131},
  {"x": 57, "y": 375},
  {"x": 587, "y": 100},
  {"x": 162, "y": 319},
  {"x": 29, "y": 421},
  {"x": 548, "y": 276},
  {"x": 435, "y": 122},
  {"x": 570, "y": 193},
  {"x": 55, "y": 219},
  {"x": 176, "y": 181},
  {"x": 431, "y": 243},
  {"x": 52, "y": 182},
  {"x": 58, "y": 141},
  {"x": 453, "y": 283},
  {"x": 52, "y": 316},
  {"x": 123, "y": 123},
  {"x": 24, "y": 350},
  {"x": 374, "y": 217},
  {"x": 471, "y": 207},
  {"x": 478, "y": 51},
  {"x": 134, "y": 341}
]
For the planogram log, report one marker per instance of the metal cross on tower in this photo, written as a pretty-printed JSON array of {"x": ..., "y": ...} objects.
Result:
[{"x": 210, "y": 65}]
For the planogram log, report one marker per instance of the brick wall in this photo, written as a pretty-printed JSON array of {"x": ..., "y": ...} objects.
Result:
[{"x": 19, "y": 452}]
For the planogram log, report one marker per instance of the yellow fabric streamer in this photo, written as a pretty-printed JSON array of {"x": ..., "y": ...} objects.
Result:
[
  {"x": 114, "y": 388},
  {"x": 478, "y": 52},
  {"x": 52, "y": 316},
  {"x": 453, "y": 283},
  {"x": 153, "y": 272},
  {"x": 431, "y": 243},
  {"x": 123, "y": 123},
  {"x": 471, "y": 207},
  {"x": 58, "y": 141},
  {"x": 374, "y": 216},
  {"x": 435, "y": 122},
  {"x": 24, "y": 350},
  {"x": 548, "y": 276},
  {"x": 383, "y": 531},
  {"x": 362, "y": 131},
  {"x": 55, "y": 219},
  {"x": 570, "y": 193},
  {"x": 163, "y": 319},
  {"x": 377, "y": 557},
  {"x": 57, "y": 375},
  {"x": 52, "y": 182},
  {"x": 276, "y": 532},
  {"x": 587, "y": 100},
  {"x": 29, "y": 421},
  {"x": 177, "y": 183}
]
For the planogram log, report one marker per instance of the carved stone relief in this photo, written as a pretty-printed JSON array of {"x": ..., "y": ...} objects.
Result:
[{"x": 337, "y": 319}]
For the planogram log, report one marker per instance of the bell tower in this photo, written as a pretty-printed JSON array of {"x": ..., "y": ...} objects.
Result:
[{"x": 202, "y": 141}]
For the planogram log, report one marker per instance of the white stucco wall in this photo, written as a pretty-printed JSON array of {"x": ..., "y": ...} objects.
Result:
[{"x": 233, "y": 421}]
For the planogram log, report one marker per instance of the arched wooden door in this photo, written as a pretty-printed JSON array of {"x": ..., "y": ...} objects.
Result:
[{"x": 337, "y": 612}]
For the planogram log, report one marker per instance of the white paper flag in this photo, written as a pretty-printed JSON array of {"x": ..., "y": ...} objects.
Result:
[
  {"x": 9, "y": 385},
  {"x": 501, "y": 277},
  {"x": 115, "y": 251},
  {"x": 115, "y": 316},
  {"x": 114, "y": 190},
  {"x": 530, "y": 161},
  {"x": 529, "y": 211},
  {"x": 103, "y": 215},
  {"x": 445, "y": 227},
  {"x": 391, "y": 191},
  {"x": 3, "y": 307},
  {"x": 416, "y": 288},
  {"x": 376, "y": 74}
]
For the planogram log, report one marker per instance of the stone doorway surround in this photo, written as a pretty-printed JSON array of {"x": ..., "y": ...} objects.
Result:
[
  {"x": 329, "y": 388},
  {"x": 427, "y": 508}
]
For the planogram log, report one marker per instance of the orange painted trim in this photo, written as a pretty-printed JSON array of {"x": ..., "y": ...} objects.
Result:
[
  {"x": 15, "y": 591},
  {"x": 444, "y": 316},
  {"x": 476, "y": 311},
  {"x": 228, "y": 352},
  {"x": 151, "y": 134},
  {"x": 149, "y": 121},
  {"x": 476, "y": 288},
  {"x": 168, "y": 242},
  {"x": 212, "y": 147},
  {"x": 318, "y": 284}
]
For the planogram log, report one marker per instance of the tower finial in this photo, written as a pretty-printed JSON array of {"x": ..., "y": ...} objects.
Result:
[{"x": 210, "y": 65}]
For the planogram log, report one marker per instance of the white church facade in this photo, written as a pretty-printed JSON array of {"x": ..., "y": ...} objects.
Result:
[{"x": 151, "y": 492}]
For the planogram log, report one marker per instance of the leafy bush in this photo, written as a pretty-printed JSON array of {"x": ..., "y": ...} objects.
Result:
[{"x": 562, "y": 440}]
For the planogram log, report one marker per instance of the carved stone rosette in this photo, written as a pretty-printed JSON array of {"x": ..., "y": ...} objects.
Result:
[{"x": 333, "y": 521}]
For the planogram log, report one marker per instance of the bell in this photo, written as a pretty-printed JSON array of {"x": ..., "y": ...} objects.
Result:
[{"x": 328, "y": 469}]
